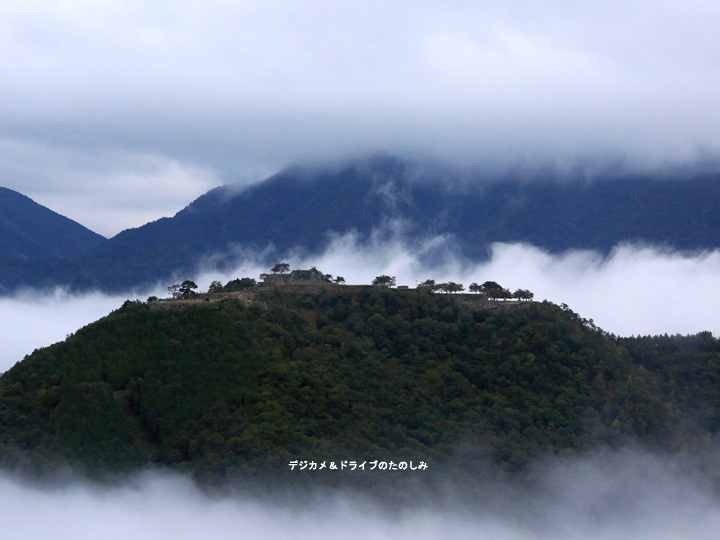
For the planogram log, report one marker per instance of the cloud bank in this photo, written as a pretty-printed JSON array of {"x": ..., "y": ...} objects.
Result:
[
  {"x": 106, "y": 191},
  {"x": 634, "y": 291},
  {"x": 237, "y": 90},
  {"x": 621, "y": 496},
  {"x": 34, "y": 320}
]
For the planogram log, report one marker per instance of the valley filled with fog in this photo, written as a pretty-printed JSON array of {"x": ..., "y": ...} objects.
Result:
[
  {"x": 626, "y": 496},
  {"x": 630, "y": 495},
  {"x": 115, "y": 114}
]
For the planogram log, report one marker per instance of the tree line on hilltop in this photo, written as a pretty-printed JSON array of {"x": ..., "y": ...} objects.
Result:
[{"x": 490, "y": 289}]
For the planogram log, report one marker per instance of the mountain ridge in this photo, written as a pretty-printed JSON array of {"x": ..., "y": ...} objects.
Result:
[
  {"x": 302, "y": 209},
  {"x": 29, "y": 230}
]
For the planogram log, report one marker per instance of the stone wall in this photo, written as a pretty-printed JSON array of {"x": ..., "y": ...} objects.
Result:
[
  {"x": 247, "y": 297},
  {"x": 479, "y": 301},
  {"x": 251, "y": 296},
  {"x": 308, "y": 288}
]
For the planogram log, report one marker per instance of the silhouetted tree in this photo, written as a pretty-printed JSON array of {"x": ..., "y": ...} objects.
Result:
[
  {"x": 523, "y": 294},
  {"x": 187, "y": 288},
  {"x": 215, "y": 287},
  {"x": 280, "y": 267},
  {"x": 453, "y": 287},
  {"x": 385, "y": 281},
  {"x": 428, "y": 284},
  {"x": 490, "y": 286},
  {"x": 502, "y": 294}
]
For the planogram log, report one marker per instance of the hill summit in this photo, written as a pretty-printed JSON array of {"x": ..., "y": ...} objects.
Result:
[{"x": 230, "y": 390}]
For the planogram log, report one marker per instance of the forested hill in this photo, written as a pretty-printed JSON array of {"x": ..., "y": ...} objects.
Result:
[
  {"x": 31, "y": 231},
  {"x": 223, "y": 391},
  {"x": 300, "y": 209}
]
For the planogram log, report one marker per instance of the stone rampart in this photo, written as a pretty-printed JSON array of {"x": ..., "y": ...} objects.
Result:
[
  {"x": 307, "y": 288},
  {"x": 246, "y": 296},
  {"x": 250, "y": 296}
]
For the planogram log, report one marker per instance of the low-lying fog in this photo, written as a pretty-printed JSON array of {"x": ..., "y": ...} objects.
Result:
[
  {"x": 637, "y": 290},
  {"x": 625, "y": 496}
]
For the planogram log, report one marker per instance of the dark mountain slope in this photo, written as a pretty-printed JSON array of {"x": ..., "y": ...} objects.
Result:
[
  {"x": 223, "y": 391},
  {"x": 31, "y": 231},
  {"x": 299, "y": 209},
  {"x": 284, "y": 212}
]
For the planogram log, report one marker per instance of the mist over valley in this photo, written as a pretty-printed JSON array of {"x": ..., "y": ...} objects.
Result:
[
  {"x": 440, "y": 214},
  {"x": 630, "y": 496},
  {"x": 626, "y": 287},
  {"x": 563, "y": 148}
]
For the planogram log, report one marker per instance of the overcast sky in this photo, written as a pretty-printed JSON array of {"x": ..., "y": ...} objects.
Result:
[{"x": 118, "y": 112}]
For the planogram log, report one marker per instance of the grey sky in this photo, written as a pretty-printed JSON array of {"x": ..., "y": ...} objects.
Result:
[{"x": 114, "y": 113}]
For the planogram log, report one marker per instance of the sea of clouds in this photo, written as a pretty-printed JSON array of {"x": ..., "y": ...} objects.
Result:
[
  {"x": 636, "y": 290},
  {"x": 115, "y": 113},
  {"x": 631, "y": 495},
  {"x": 621, "y": 496}
]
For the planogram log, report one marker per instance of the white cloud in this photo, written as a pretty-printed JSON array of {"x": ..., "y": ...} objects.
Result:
[
  {"x": 635, "y": 291},
  {"x": 622, "y": 496},
  {"x": 233, "y": 87},
  {"x": 35, "y": 319},
  {"x": 106, "y": 191}
]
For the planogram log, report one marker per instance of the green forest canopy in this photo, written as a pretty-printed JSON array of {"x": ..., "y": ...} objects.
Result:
[{"x": 224, "y": 391}]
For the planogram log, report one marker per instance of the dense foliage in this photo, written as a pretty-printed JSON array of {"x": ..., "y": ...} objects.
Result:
[{"x": 225, "y": 391}]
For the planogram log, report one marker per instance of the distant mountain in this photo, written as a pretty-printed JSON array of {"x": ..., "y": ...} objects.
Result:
[
  {"x": 301, "y": 208},
  {"x": 31, "y": 231},
  {"x": 225, "y": 391}
]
